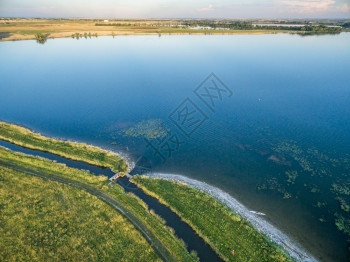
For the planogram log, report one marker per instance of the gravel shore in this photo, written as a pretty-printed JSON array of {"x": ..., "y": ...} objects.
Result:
[{"x": 274, "y": 234}]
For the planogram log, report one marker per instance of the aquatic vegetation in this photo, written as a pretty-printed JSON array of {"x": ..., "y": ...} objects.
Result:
[
  {"x": 342, "y": 223},
  {"x": 294, "y": 151},
  {"x": 149, "y": 129},
  {"x": 315, "y": 190},
  {"x": 292, "y": 175},
  {"x": 320, "y": 204},
  {"x": 286, "y": 195},
  {"x": 343, "y": 189},
  {"x": 214, "y": 222},
  {"x": 273, "y": 184},
  {"x": 316, "y": 164},
  {"x": 343, "y": 204}
]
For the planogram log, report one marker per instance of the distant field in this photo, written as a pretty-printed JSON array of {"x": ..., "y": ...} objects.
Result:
[
  {"x": 43, "y": 220},
  {"x": 22, "y": 29}
]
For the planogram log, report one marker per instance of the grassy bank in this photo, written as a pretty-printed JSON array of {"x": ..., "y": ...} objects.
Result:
[
  {"x": 76, "y": 151},
  {"x": 46, "y": 221},
  {"x": 153, "y": 223},
  {"x": 223, "y": 230}
]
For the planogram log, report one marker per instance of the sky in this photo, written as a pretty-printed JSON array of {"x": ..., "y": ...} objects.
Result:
[{"x": 176, "y": 8}]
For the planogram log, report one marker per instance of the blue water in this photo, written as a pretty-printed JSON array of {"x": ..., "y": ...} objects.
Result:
[{"x": 286, "y": 90}]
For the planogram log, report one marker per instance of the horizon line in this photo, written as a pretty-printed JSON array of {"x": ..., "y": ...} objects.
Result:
[{"x": 171, "y": 18}]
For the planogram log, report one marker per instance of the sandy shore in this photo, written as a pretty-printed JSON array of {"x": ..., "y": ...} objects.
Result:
[{"x": 274, "y": 234}]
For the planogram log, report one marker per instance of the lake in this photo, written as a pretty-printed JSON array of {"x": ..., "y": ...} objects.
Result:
[{"x": 263, "y": 117}]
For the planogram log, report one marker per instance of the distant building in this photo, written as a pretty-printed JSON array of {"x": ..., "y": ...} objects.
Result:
[{"x": 106, "y": 21}]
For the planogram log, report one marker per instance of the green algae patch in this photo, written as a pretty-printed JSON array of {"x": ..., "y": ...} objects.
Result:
[{"x": 149, "y": 129}]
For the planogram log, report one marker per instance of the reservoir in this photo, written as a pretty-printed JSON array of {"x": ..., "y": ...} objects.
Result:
[{"x": 270, "y": 115}]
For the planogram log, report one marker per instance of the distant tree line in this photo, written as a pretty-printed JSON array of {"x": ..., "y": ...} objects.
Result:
[
  {"x": 325, "y": 27},
  {"x": 320, "y": 29},
  {"x": 85, "y": 35},
  {"x": 113, "y": 24},
  {"x": 306, "y": 29},
  {"x": 346, "y": 25},
  {"x": 238, "y": 25}
]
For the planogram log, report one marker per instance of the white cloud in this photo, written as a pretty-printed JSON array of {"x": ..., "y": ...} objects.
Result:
[
  {"x": 208, "y": 8},
  {"x": 178, "y": 8},
  {"x": 309, "y": 7},
  {"x": 315, "y": 8},
  {"x": 344, "y": 8}
]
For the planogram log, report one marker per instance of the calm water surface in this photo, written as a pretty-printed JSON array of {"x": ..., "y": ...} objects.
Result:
[{"x": 280, "y": 144}]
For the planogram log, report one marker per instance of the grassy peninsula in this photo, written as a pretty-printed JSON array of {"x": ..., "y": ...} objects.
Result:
[
  {"x": 219, "y": 226},
  {"x": 160, "y": 234},
  {"x": 77, "y": 151},
  {"x": 222, "y": 229}
]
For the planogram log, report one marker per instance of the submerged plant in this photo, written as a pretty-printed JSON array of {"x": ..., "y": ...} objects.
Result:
[
  {"x": 292, "y": 175},
  {"x": 149, "y": 129},
  {"x": 342, "y": 223}
]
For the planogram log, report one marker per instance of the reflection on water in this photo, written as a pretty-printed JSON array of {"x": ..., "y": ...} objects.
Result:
[{"x": 279, "y": 144}]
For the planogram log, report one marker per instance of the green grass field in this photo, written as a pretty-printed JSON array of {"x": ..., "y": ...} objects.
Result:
[
  {"x": 214, "y": 222},
  {"x": 43, "y": 220},
  {"x": 137, "y": 207}
]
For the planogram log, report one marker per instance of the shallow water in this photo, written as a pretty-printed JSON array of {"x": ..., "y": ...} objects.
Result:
[{"x": 288, "y": 113}]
